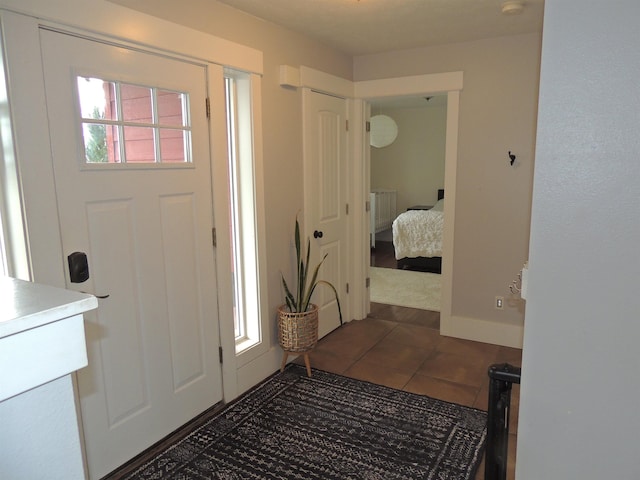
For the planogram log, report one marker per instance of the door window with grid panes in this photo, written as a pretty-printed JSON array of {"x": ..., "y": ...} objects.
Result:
[{"x": 124, "y": 123}]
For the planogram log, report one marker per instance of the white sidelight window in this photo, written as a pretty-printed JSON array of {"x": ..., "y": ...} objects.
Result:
[
  {"x": 244, "y": 212},
  {"x": 14, "y": 260},
  {"x": 4, "y": 267}
]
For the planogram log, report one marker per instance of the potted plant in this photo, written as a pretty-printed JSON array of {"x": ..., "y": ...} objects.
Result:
[{"x": 298, "y": 317}]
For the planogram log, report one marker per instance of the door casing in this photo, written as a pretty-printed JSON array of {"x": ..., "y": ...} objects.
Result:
[
  {"x": 146, "y": 229},
  {"x": 359, "y": 93}
]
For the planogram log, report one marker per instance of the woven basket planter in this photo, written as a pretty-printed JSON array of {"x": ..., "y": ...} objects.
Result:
[{"x": 298, "y": 332}]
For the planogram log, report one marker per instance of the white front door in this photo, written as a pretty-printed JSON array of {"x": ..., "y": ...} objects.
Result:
[
  {"x": 146, "y": 228},
  {"x": 325, "y": 147}
]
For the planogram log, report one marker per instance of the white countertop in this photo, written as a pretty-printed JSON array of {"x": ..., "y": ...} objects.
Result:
[
  {"x": 27, "y": 305},
  {"x": 41, "y": 334}
]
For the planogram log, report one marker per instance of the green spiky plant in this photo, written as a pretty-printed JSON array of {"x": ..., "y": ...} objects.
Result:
[{"x": 299, "y": 303}]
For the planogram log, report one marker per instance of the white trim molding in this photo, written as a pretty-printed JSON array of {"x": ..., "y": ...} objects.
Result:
[
  {"x": 411, "y": 85},
  {"x": 99, "y": 17},
  {"x": 324, "y": 82},
  {"x": 487, "y": 331}
]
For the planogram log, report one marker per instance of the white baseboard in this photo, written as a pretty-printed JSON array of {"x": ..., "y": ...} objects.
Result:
[{"x": 486, "y": 331}]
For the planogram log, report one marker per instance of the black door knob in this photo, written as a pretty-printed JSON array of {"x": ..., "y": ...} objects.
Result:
[{"x": 317, "y": 234}]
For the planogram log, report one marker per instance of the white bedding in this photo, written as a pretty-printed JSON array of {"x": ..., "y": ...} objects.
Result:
[{"x": 418, "y": 233}]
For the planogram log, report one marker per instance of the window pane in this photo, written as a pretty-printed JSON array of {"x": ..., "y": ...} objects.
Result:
[
  {"x": 113, "y": 144},
  {"x": 172, "y": 146},
  {"x": 136, "y": 104},
  {"x": 95, "y": 142},
  {"x": 249, "y": 320},
  {"x": 139, "y": 145},
  {"x": 4, "y": 268},
  {"x": 171, "y": 108},
  {"x": 97, "y": 98},
  {"x": 101, "y": 144}
]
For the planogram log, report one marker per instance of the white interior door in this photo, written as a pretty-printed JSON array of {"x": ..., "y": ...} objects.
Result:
[
  {"x": 325, "y": 139},
  {"x": 146, "y": 229}
]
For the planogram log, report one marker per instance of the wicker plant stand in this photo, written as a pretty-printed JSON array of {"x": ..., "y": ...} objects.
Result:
[{"x": 298, "y": 333}]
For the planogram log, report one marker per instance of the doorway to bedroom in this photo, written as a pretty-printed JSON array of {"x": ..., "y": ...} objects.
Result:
[{"x": 407, "y": 165}]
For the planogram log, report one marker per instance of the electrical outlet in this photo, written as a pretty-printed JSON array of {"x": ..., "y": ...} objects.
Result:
[{"x": 499, "y": 303}]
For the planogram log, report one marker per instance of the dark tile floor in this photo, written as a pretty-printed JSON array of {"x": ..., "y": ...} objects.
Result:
[{"x": 402, "y": 348}]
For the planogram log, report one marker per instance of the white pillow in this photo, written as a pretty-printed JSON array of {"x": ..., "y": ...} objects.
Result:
[{"x": 439, "y": 206}]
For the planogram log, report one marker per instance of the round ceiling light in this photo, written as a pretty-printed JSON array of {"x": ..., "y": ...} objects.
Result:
[{"x": 512, "y": 7}]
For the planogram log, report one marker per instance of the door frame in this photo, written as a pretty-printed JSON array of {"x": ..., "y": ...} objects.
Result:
[
  {"x": 21, "y": 21},
  {"x": 147, "y": 233},
  {"x": 358, "y": 94},
  {"x": 450, "y": 83}
]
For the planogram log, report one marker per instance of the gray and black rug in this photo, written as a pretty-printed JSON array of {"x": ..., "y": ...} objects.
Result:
[{"x": 326, "y": 427}]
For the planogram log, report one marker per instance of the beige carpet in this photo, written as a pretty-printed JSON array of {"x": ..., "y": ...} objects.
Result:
[{"x": 405, "y": 288}]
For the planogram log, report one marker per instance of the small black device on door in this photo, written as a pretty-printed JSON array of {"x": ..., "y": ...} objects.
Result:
[{"x": 78, "y": 267}]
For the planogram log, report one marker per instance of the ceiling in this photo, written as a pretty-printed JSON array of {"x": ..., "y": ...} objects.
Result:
[{"x": 362, "y": 27}]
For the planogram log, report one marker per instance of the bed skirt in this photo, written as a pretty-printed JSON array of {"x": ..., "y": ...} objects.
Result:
[{"x": 421, "y": 264}]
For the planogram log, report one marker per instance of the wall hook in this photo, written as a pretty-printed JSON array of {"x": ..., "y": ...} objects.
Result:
[{"x": 512, "y": 157}]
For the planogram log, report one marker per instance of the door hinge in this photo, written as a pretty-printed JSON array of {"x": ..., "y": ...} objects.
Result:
[
  {"x": 220, "y": 353},
  {"x": 367, "y": 126},
  {"x": 347, "y": 125},
  {"x": 367, "y": 282},
  {"x": 367, "y": 206},
  {"x": 346, "y": 209},
  {"x": 207, "y": 104},
  {"x": 347, "y": 289},
  {"x": 214, "y": 239}
]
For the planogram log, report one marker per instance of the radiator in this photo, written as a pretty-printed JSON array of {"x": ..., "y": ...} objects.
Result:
[{"x": 383, "y": 211}]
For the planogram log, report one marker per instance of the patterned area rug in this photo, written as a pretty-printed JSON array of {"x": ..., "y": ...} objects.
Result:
[{"x": 327, "y": 427}]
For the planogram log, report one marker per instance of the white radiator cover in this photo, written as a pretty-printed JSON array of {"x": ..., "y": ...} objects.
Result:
[{"x": 383, "y": 211}]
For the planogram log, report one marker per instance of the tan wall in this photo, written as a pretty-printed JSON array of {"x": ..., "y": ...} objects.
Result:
[
  {"x": 497, "y": 114},
  {"x": 413, "y": 165},
  {"x": 281, "y": 107}
]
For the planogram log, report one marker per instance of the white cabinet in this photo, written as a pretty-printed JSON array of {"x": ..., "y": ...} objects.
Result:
[{"x": 41, "y": 343}]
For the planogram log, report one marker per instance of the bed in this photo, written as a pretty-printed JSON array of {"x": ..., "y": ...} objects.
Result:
[{"x": 417, "y": 238}]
